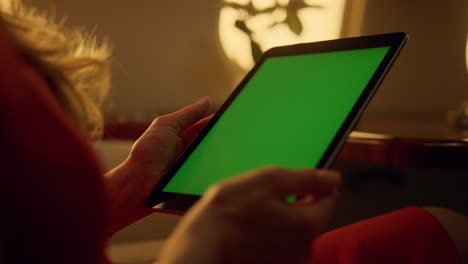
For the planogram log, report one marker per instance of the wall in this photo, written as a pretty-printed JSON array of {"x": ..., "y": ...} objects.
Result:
[
  {"x": 431, "y": 73},
  {"x": 167, "y": 53}
]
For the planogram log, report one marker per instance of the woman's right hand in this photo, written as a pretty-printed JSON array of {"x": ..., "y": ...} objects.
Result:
[{"x": 247, "y": 219}]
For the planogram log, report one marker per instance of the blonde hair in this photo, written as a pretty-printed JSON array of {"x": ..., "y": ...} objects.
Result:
[{"x": 75, "y": 64}]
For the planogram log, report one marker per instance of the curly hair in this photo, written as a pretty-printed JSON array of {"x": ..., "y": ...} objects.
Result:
[{"x": 75, "y": 64}]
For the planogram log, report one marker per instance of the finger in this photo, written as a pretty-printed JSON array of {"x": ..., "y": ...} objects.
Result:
[
  {"x": 317, "y": 214},
  {"x": 202, "y": 123},
  {"x": 186, "y": 116},
  {"x": 283, "y": 182},
  {"x": 317, "y": 182},
  {"x": 192, "y": 131},
  {"x": 305, "y": 200},
  {"x": 280, "y": 182}
]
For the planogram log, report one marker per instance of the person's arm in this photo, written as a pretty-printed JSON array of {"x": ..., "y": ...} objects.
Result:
[
  {"x": 248, "y": 220},
  {"x": 129, "y": 184}
]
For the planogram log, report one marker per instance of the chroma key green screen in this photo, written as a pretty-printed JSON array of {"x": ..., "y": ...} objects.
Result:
[{"x": 287, "y": 115}]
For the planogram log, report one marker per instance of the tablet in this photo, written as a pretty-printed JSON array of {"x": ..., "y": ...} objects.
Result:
[{"x": 294, "y": 109}]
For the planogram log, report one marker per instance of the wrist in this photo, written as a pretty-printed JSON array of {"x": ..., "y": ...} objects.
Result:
[{"x": 127, "y": 187}]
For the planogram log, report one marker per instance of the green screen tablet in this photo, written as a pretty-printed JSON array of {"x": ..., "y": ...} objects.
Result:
[{"x": 293, "y": 110}]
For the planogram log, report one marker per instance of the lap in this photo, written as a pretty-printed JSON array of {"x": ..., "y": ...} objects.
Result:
[{"x": 411, "y": 235}]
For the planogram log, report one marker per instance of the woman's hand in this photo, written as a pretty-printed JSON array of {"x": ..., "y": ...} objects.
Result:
[
  {"x": 151, "y": 156},
  {"x": 247, "y": 219}
]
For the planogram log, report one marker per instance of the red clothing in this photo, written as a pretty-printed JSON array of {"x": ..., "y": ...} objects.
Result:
[
  {"x": 52, "y": 196},
  {"x": 407, "y": 236}
]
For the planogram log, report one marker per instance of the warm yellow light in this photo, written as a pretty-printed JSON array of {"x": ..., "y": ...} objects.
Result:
[
  {"x": 5, "y": 4},
  {"x": 466, "y": 52},
  {"x": 263, "y": 4},
  {"x": 242, "y": 2},
  {"x": 267, "y": 23},
  {"x": 366, "y": 135}
]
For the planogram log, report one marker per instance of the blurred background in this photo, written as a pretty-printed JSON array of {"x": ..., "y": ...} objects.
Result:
[{"x": 169, "y": 54}]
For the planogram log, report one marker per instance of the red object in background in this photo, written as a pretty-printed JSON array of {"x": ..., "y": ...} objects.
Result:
[
  {"x": 51, "y": 194},
  {"x": 407, "y": 236}
]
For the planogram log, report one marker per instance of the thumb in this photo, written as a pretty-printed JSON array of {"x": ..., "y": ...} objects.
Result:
[{"x": 186, "y": 116}]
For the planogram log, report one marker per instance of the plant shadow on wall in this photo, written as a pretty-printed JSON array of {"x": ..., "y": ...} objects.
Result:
[{"x": 283, "y": 12}]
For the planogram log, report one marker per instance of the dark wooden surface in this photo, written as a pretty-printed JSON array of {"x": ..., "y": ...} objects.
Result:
[
  {"x": 405, "y": 152},
  {"x": 408, "y": 140}
]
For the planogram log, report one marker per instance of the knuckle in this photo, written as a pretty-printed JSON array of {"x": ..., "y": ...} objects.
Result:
[
  {"x": 220, "y": 193},
  {"x": 160, "y": 120},
  {"x": 267, "y": 173},
  {"x": 165, "y": 122}
]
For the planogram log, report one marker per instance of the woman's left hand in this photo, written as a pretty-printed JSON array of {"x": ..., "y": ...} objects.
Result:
[{"x": 151, "y": 156}]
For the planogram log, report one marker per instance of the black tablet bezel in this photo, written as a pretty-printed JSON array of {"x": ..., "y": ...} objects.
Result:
[{"x": 174, "y": 202}]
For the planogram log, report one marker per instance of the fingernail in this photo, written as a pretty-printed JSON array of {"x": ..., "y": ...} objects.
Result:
[{"x": 205, "y": 99}]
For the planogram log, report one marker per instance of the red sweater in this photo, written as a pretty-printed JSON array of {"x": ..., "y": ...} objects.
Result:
[{"x": 51, "y": 194}]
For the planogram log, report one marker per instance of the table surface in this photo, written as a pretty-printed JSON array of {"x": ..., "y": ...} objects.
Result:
[
  {"x": 427, "y": 126},
  {"x": 408, "y": 140}
]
